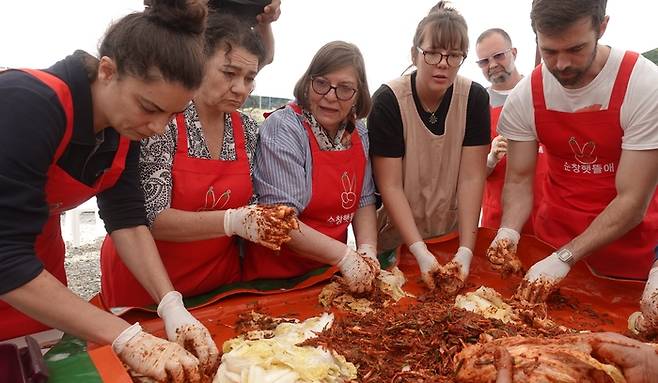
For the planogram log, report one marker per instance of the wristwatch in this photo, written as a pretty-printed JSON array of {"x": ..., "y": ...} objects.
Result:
[{"x": 565, "y": 256}]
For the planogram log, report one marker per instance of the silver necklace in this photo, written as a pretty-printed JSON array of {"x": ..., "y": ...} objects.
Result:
[{"x": 433, "y": 119}]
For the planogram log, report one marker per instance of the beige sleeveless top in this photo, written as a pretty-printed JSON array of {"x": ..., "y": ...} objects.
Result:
[{"x": 430, "y": 165}]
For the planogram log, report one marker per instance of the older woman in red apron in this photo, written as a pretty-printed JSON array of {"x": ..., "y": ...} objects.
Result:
[
  {"x": 313, "y": 157},
  {"x": 589, "y": 109},
  {"x": 197, "y": 178},
  {"x": 67, "y": 134}
]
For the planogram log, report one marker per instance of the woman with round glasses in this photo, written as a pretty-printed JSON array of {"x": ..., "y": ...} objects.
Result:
[
  {"x": 312, "y": 156},
  {"x": 430, "y": 134}
]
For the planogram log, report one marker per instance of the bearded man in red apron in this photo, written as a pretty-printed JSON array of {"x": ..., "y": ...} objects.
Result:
[
  {"x": 595, "y": 109},
  {"x": 496, "y": 58}
]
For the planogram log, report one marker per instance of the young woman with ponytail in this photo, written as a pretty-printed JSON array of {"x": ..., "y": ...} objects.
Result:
[{"x": 71, "y": 132}]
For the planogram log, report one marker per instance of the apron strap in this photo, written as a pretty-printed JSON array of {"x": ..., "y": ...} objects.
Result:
[
  {"x": 623, "y": 77},
  {"x": 537, "y": 84},
  {"x": 181, "y": 126},
  {"x": 64, "y": 94},
  {"x": 238, "y": 135}
]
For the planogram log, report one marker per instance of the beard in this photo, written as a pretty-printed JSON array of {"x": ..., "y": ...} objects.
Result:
[
  {"x": 499, "y": 77},
  {"x": 571, "y": 76}
]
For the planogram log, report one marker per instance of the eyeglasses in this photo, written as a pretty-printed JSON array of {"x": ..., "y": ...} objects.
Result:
[
  {"x": 498, "y": 57},
  {"x": 435, "y": 58},
  {"x": 322, "y": 86}
]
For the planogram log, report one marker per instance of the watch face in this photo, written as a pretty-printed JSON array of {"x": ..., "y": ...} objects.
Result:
[{"x": 565, "y": 256}]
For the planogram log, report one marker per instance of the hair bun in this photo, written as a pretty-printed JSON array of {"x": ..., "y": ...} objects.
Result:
[
  {"x": 181, "y": 15},
  {"x": 443, "y": 6}
]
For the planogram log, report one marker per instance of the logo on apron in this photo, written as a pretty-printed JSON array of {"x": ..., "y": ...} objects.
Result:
[
  {"x": 211, "y": 202},
  {"x": 347, "y": 197},
  {"x": 583, "y": 154}
]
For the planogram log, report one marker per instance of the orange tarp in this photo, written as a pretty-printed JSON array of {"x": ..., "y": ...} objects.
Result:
[{"x": 612, "y": 300}]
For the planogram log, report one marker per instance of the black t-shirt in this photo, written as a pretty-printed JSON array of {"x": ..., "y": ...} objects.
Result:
[
  {"x": 32, "y": 125},
  {"x": 385, "y": 121}
]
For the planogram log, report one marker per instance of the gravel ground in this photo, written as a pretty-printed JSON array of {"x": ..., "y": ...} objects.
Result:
[
  {"x": 82, "y": 262},
  {"x": 83, "y": 268}
]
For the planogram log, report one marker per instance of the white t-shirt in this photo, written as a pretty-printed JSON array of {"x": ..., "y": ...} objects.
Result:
[{"x": 639, "y": 111}]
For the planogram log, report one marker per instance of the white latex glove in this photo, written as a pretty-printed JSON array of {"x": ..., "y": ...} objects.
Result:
[
  {"x": 542, "y": 278},
  {"x": 267, "y": 225},
  {"x": 187, "y": 331},
  {"x": 369, "y": 251},
  {"x": 358, "y": 270},
  {"x": 497, "y": 152},
  {"x": 502, "y": 250},
  {"x": 646, "y": 321},
  {"x": 154, "y": 357},
  {"x": 426, "y": 262},
  {"x": 462, "y": 260},
  {"x": 505, "y": 233}
]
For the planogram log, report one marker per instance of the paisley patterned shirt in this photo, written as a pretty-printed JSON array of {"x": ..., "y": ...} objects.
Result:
[{"x": 157, "y": 155}]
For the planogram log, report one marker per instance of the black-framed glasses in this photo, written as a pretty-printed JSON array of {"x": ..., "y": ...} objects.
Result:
[
  {"x": 435, "y": 58},
  {"x": 322, "y": 86},
  {"x": 498, "y": 57}
]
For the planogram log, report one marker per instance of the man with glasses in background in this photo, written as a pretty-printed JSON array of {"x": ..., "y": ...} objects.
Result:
[{"x": 496, "y": 57}]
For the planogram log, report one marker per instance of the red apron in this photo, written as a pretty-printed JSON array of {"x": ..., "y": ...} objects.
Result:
[
  {"x": 337, "y": 181},
  {"x": 63, "y": 192},
  {"x": 492, "y": 209},
  {"x": 199, "y": 266},
  {"x": 583, "y": 151}
]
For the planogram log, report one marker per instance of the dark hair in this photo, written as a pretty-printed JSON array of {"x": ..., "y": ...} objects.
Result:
[
  {"x": 334, "y": 56},
  {"x": 226, "y": 32},
  {"x": 492, "y": 31},
  {"x": 553, "y": 16},
  {"x": 448, "y": 28},
  {"x": 245, "y": 10},
  {"x": 166, "y": 36}
]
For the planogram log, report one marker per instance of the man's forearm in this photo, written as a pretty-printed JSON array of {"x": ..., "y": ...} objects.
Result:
[
  {"x": 519, "y": 177},
  {"x": 517, "y": 203},
  {"x": 618, "y": 218}
]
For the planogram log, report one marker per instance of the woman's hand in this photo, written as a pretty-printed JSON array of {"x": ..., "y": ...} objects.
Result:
[
  {"x": 497, "y": 152},
  {"x": 267, "y": 225},
  {"x": 156, "y": 358},
  {"x": 426, "y": 262},
  {"x": 358, "y": 270},
  {"x": 187, "y": 331}
]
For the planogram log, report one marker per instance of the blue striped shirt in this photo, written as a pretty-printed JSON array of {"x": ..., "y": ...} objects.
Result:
[{"x": 283, "y": 165}]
